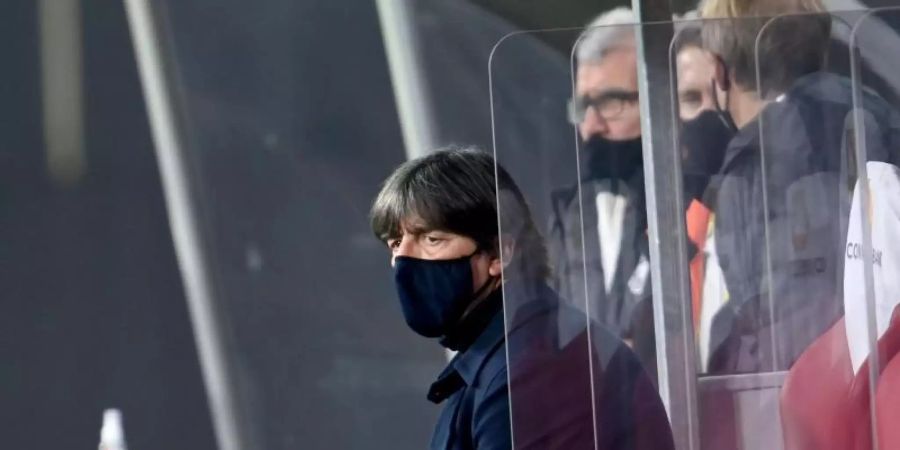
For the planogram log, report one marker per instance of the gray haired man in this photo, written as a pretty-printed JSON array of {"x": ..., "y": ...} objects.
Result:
[{"x": 601, "y": 258}]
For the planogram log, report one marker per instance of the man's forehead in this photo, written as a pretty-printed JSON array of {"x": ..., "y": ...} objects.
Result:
[
  {"x": 694, "y": 68},
  {"x": 413, "y": 224},
  {"x": 616, "y": 71}
]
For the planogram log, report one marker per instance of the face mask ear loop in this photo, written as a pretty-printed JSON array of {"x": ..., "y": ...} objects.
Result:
[
  {"x": 487, "y": 282},
  {"x": 722, "y": 112},
  {"x": 483, "y": 287}
]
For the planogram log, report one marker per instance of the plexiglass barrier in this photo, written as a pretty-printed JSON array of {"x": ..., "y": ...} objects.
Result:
[
  {"x": 870, "y": 273},
  {"x": 577, "y": 342},
  {"x": 768, "y": 347},
  {"x": 573, "y": 383}
]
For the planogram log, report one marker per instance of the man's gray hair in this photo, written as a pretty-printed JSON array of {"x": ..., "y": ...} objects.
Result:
[{"x": 603, "y": 36}]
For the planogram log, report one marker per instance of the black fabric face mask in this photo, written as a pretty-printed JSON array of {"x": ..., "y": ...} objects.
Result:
[
  {"x": 605, "y": 158},
  {"x": 434, "y": 294},
  {"x": 705, "y": 139}
]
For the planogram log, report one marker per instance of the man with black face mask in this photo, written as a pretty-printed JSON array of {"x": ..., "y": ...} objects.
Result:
[
  {"x": 529, "y": 368},
  {"x": 610, "y": 194},
  {"x": 706, "y": 128},
  {"x": 705, "y": 134}
]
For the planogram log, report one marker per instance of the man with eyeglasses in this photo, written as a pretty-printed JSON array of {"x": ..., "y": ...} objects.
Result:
[{"x": 603, "y": 246}]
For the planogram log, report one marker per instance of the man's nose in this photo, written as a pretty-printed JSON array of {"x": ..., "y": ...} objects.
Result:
[
  {"x": 404, "y": 248},
  {"x": 593, "y": 124}
]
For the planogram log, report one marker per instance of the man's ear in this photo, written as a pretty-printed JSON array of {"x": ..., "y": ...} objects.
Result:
[
  {"x": 506, "y": 249},
  {"x": 720, "y": 74}
]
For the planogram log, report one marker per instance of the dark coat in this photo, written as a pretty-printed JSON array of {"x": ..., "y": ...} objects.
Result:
[
  {"x": 540, "y": 377},
  {"x": 574, "y": 246},
  {"x": 781, "y": 213}
]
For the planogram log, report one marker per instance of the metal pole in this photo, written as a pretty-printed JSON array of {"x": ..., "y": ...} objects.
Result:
[
  {"x": 407, "y": 76},
  {"x": 215, "y": 363},
  {"x": 676, "y": 352}
]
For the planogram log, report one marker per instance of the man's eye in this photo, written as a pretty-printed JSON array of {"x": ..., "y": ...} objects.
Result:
[
  {"x": 393, "y": 243},
  {"x": 691, "y": 98},
  {"x": 433, "y": 240}
]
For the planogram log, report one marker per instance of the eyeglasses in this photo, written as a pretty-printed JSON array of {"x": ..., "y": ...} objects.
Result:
[{"x": 608, "y": 105}]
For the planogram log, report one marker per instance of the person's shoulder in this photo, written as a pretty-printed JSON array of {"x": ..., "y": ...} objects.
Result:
[
  {"x": 564, "y": 199},
  {"x": 551, "y": 312},
  {"x": 493, "y": 374},
  {"x": 608, "y": 347},
  {"x": 497, "y": 378}
]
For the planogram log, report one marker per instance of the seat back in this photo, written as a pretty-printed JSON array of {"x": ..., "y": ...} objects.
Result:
[
  {"x": 887, "y": 396},
  {"x": 815, "y": 395}
]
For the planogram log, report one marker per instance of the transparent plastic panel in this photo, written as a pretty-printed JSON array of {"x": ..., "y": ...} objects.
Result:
[
  {"x": 771, "y": 340},
  {"x": 802, "y": 82},
  {"x": 780, "y": 211},
  {"x": 871, "y": 252},
  {"x": 540, "y": 416},
  {"x": 752, "y": 349},
  {"x": 575, "y": 378}
]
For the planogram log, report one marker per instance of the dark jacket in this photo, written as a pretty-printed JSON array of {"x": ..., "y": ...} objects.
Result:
[
  {"x": 475, "y": 391},
  {"x": 574, "y": 246},
  {"x": 541, "y": 396},
  {"x": 781, "y": 212}
]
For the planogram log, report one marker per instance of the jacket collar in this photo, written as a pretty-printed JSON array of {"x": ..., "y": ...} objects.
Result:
[
  {"x": 814, "y": 88},
  {"x": 523, "y": 301},
  {"x": 463, "y": 369}
]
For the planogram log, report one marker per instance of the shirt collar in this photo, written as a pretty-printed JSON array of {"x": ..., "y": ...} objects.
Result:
[
  {"x": 815, "y": 87},
  {"x": 463, "y": 369}
]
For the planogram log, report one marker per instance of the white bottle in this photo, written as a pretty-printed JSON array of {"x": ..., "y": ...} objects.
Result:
[{"x": 112, "y": 436}]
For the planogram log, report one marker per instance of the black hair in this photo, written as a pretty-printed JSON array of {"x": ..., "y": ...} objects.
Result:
[{"x": 455, "y": 190}]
